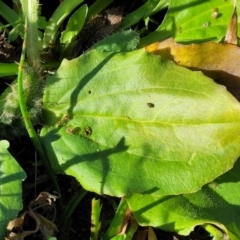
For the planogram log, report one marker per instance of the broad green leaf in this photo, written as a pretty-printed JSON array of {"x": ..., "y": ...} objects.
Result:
[
  {"x": 144, "y": 124},
  {"x": 11, "y": 176},
  {"x": 217, "y": 203},
  {"x": 190, "y": 20},
  {"x": 124, "y": 41}
]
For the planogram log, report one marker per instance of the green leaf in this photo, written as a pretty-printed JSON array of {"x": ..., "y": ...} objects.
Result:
[
  {"x": 63, "y": 10},
  {"x": 42, "y": 23},
  {"x": 144, "y": 124},
  {"x": 120, "y": 237},
  {"x": 15, "y": 32},
  {"x": 7, "y": 13},
  {"x": 191, "y": 20},
  {"x": 8, "y": 69},
  {"x": 217, "y": 203},
  {"x": 97, "y": 7},
  {"x": 11, "y": 176},
  {"x": 115, "y": 226},
  {"x": 124, "y": 41},
  {"x": 74, "y": 25},
  {"x": 145, "y": 10}
]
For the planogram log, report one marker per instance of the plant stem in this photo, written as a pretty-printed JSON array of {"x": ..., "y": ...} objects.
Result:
[
  {"x": 95, "y": 216},
  {"x": 25, "y": 114},
  {"x": 30, "y": 10},
  {"x": 215, "y": 232},
  {"x": 66, "y": 216},
  {"x": 116, "y": 223}
]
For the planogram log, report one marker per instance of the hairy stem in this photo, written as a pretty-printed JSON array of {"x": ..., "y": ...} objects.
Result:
[
  {"x": 30, "y": 11},
  {"x": 25, "y": 114}
]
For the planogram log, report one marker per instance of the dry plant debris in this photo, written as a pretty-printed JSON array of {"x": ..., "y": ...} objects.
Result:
[{"x": 20, "y": 227}]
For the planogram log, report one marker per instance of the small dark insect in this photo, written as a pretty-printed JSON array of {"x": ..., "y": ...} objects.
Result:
[
  {"x": 150, "y": 105},
  {"x": 88, "y": 131},
  {"x": 89, "y": 92}
]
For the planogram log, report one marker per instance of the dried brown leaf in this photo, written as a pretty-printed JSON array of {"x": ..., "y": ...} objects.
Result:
[
  {"x": 44, "y": 200},
  {"x": 128, "y": 217},
  {"x": 29, "y": 232},
  {"x": 231, "y": 35},
  {"x": 16, "y": 223},
  {"x": 14, "y": 236},
  {"x": 47, "y": 227},
  {"x": 141, "y": 234}
]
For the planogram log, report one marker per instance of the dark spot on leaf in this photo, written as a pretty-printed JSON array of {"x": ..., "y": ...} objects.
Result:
[
  {"x": 214, "y": 185},
  {"x": 206, "y": 24},
  {"x": 88, "y": 131},
  {"x": 69, "y": 130},
  {"x": 76, "y": 130},
  {"x": 215, "y": 14},
  {"x": 89, "y": 92},
  {"x": 150, "y": 105},
  {"x": 63, "y": 121}
]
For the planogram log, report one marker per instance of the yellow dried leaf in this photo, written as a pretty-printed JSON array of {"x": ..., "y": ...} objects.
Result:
[
  {"x": 219, "y": 61},
  {"x": 16, "y": 223}
]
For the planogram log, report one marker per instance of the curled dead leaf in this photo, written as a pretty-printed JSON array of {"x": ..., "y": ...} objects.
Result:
[
  {"x": 47, "y": 227},
  {"x": 19, "y": 228}
]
